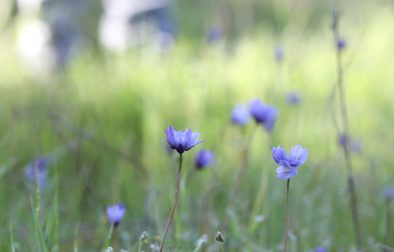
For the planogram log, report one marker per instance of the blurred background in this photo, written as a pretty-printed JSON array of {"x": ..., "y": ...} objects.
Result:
[{"x": 88, "y": 87}]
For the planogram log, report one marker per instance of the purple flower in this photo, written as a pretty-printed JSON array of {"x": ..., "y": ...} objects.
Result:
[
  {"x": 389, "y": 193},
  {"x": 214, "y": 34},
  {"x": 278, "y": 53},
  {"x": 341, "y": 44},
  {"x": 343, "y": 139},
  {"x": 293, "y": 98},
  {"x": 182, "y": 141},
  {"x": 41, "y": 164},
  {"x": 115, "y": 213},
  {"x": 240, "y": 115},
  {"x": 288, "y": 164},
  {"x": 263, "y": 114},
  {"x": 321, "y": 249},
  {"x": 204, "y": 158},
  {"x": 354, "y": 145}
]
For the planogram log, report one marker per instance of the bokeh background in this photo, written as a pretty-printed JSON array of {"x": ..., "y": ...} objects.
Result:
[{"x": 92, "y": 85}]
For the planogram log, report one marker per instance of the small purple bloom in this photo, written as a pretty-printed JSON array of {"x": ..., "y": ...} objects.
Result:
[
  {"x": 321, "y": 249},
  {"x": 41, "y": 164},
  {"x": 204, "y": 158},
  {"x": 278, "y": 53},
  {"x": 288, "y": 164},
  {"x": 115, "y": 213},
  {"x": 293, "y": 98},
  {"x": 389, "y": 193},
  {"x": 214, "y": 34},
  {"x": 240, "y": 115},
  {"x": 263, "y": 114},
  {"x": 182, "y": 141},
  {"x": 341, "y": 44},
  {"x": 343, "y": 140}
]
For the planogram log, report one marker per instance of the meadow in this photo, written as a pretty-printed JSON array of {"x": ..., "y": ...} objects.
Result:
[{"x": 102, "y": 123}]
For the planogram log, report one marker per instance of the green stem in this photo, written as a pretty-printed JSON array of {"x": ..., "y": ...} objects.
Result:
[
  {"x": 345, "y": 121},
  {"x": 287, "y": 213},
  {"x": 12, "y": 238},
  {"x": 170, "y": 218},
  {"x": 109, "y": 237}
]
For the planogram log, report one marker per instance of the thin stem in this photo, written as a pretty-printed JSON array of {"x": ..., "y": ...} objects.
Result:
[
  {"x": 244, "y": 164},
  {"x": 169, "y": 221},
  {"x": 287, "y": 213},
  {"x": 345, "y": 122},
  {"x": 260, "y": 195},
  {"x": 239, "y": 175},
  {"x": 12, "y": 238},
  {"x": 388, "y": 223},
  {"x": 109, "y": 237}
]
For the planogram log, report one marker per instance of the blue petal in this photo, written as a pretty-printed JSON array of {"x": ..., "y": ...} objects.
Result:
[
  {"x": 170, "y": 136},
  {"x": 279, "y": 154},
  {"x": 285, "y": 172},
  {"x": 297, "y": 156}
]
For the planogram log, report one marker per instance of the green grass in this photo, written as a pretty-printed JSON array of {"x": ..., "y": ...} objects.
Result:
[{"x": 114, "y": 110}]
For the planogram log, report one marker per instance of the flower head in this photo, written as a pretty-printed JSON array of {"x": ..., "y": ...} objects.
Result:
[
  {"x": 278, "y": 53},
  {"x": 240, "y": 115},
  {"x": 321, "y": 249},
  {"x": 389, "y": 193},
  {"x": 214, "y": 34},
  {"x": 288, "y": 164},
  {"x": 115, "y": 213},
  {"x": 263, "y": 114},
  {"x": 41, "y": 165},
  {"x": 182, "y": 141},
  {"x": 204, "y": 158},
  {"x": 341, "y": 44},
  {"x": 293, "y": 98}
]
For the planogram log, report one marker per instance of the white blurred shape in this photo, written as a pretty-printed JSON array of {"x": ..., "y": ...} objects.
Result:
[
  {"x": 33, "y": 44},
  {"x": 29, "y": 6}
]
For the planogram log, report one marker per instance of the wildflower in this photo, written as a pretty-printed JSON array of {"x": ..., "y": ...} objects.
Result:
[
  {"x": 389, "y": 192},
  {"x": 288, "y": 164},
  {"x": 182, "y": 141},
  {"x": 343, "y": 140},
  {"x": 214, "y": 34},
  {"x": 341, "y": 44},
  {"x": 321, "y": 249},
  {"x": 204, "y": 158},
  {"x": 293, "y": 98},
  {"x": 278, "y": 53},
  {"x": 115, "y": 213},
  {"x": 263, "y": 114},
  {"x": 41, "y": 165},
  {"x": 240, "y": 115}
]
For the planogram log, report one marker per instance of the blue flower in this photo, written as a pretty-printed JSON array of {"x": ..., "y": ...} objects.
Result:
[
  {"x": 204, "y": 158},
  {"x": 263, "y": 114},
  {"x": 240, "y": 115},
  {"x": 182, "y": 141},
  {"x": 115, "y": 213},
  {"x": 288, "y": 164},
  {"x": 278, "y": 53},
  {"x": 293, "y": 98},
  {"x": 321, "y": 249},
  {"x": 389, "y": 193},
  {"x": 214, "y": 34},
  {"x": 341, "y": 44},
  {"x": 41, "y": 164}
]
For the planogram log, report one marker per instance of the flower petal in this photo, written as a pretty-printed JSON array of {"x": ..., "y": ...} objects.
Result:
[
  {"x": 279, "y": 154},
  {"x": 283, "y": 172},
  {"x": 297, "y": 156}
]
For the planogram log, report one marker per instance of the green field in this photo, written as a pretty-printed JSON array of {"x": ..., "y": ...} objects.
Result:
[{"x": 103, "y": 124}]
